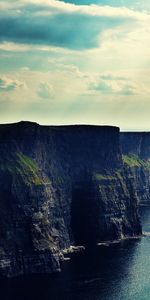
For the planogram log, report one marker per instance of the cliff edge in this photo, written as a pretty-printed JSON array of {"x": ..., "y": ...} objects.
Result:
[{"x": 136, "y": 156}]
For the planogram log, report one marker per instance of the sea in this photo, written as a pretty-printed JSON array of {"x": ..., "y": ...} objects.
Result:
[{"x": 117, "y": 271}]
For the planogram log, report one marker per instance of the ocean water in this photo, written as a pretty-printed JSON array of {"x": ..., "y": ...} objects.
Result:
[{"x": 120, "y": 271}]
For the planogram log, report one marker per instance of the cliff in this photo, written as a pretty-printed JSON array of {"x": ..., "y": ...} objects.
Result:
[
  {"x": 61, "y": 186},
  {"x": 136, "y": 157}
]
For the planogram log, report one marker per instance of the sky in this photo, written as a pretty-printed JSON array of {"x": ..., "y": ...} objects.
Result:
[{"x": 75, "y": 62}]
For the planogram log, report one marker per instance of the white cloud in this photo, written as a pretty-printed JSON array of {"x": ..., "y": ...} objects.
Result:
[
  {"x": 93, "y": 10},
  {"x": 14, "y": 47},
  {"x": 119, "y": 83},
  {"x": 8, "y": 84},
  {"x": 60, "y": 6},
  {"x": 45, "y": 90}
]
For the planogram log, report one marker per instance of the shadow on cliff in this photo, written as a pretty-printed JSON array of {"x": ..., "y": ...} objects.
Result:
[{"x": 84, "y": 214}]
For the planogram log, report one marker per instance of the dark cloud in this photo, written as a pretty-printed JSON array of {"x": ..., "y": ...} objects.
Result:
[
  {"x": 100, "y": 2},
  {"x": 37, "y": 25}
]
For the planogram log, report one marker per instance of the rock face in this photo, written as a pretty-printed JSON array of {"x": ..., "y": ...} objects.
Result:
[
  {"x": 136, "y": 156},
  {"x": 61, "y": 186}
]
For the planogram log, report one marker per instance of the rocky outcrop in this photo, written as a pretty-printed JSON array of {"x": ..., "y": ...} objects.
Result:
[
  {"x": 136, "y": 157},
  {"x": 61, "y": 186}
]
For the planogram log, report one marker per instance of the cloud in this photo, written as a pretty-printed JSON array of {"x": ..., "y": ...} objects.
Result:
[
  {"x": 13, "y": 47},
  {"x": 40, "y": 43},
  {"x": 68, "y": 31},
  {"x": 109, "y": 76},
  {"x": 45, "y": 90},
  {"x": 138, "y": 5},
  {"x": 108, "y": 84},
  {"x": 106, "y": 9},
  {"x": 7, "y": 84},
  {"x": 60, "y": 24}
]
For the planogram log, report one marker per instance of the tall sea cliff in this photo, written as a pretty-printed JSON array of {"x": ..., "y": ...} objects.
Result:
[
  {"x": 61, "y": 186},
  {"x": 136, "y": 156}
]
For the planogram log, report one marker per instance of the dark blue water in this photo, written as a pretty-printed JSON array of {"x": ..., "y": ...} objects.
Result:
[{"x": 117, "y": 272}]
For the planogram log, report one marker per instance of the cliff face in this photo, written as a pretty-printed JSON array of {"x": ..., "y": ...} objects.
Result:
[
  {"x": 60, "y": 186},
  {"x": 136, "y": 156}
]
